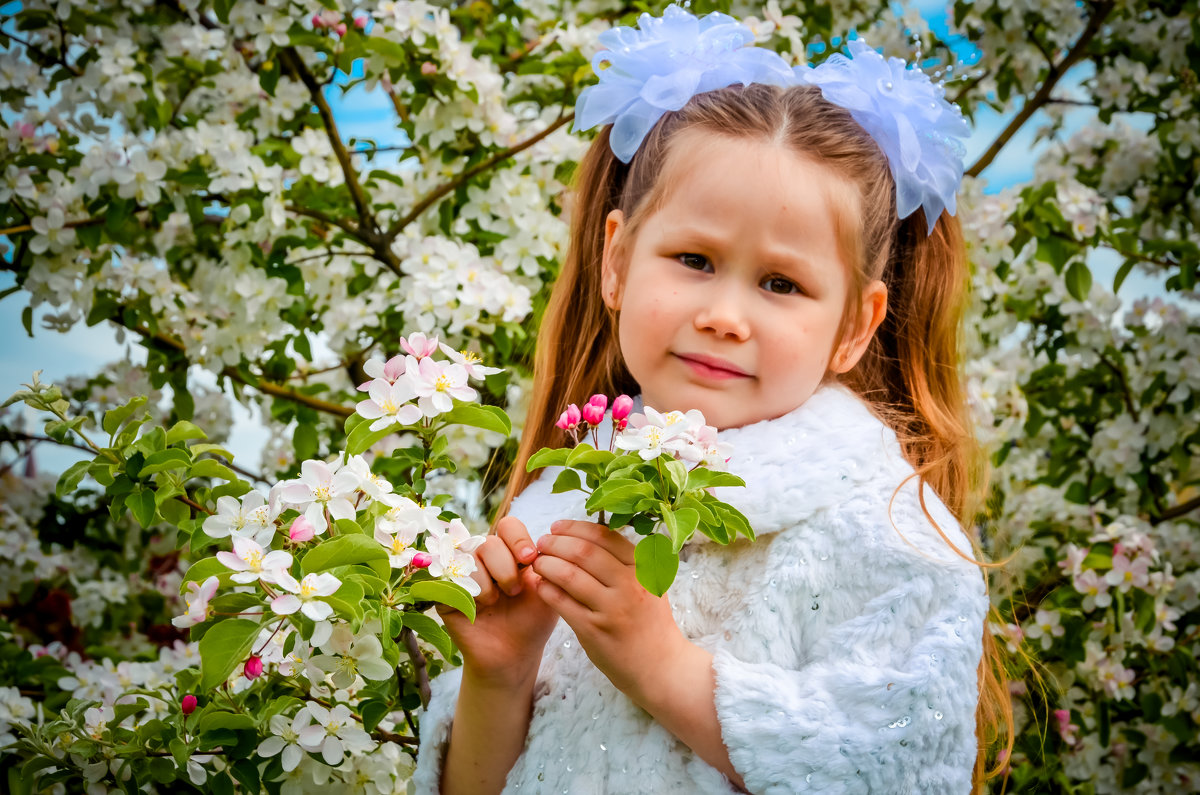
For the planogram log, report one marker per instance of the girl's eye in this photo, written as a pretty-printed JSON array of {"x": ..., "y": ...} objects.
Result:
[
  {"x": 780, "y": 285},
  {"x": 696, "y": 262}
]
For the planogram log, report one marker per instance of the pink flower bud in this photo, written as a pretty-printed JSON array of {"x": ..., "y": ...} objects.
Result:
[
  {"x": 573, "y": 414},
  {"x": 340, "y": 29},
  {"x": 621, "y": 407},
  {"x": 253, "y": 667},
  {"x": 317, "y": 21},
  {"x": 428, "y": 68},
  {"x": 188, "y": 705},
  {"x": 593, "y": 414},
  {"x": 421, "y": 560},
  {"x": 599, "y": 400},
  {"x": 360, "y": 22},
  {"x": 301, "y": 530}
]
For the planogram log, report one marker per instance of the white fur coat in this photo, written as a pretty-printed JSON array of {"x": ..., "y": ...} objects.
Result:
[{"x": 845, "y": 639}]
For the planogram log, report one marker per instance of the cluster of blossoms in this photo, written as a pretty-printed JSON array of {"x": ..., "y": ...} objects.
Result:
[
  {"x": 681, "y": 435},
  {"x": 408, "y": 389}
]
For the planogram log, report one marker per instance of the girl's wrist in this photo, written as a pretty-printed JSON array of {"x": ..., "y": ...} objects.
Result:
[{"x": 511, "y": 677}]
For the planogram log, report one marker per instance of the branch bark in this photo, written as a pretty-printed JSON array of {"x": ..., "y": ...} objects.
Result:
[
  {"x": 419, "y": 666},
  {"x": 1057, "y": 71},
  {"x": 1182, "y": 509}
]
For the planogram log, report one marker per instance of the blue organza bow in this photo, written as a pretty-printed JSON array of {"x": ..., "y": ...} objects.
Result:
[
  {"x": 909, "y": 118},
  {"x": 657, "y": 67}
]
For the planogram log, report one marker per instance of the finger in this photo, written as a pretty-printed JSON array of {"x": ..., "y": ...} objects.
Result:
[
  {"x": 501, "y": 567},
  {"x": 562, "y": 603},
  {"x": 577, "y": 583},
  {"x": 593, "y": 558},
  {"x": 616, "y": 544},
  {"x": 515, "y": 536},
  {"x": 488, "y": 592}
]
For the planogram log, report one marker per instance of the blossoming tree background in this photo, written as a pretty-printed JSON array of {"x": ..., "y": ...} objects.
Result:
[{"x": 173, "y": 169}]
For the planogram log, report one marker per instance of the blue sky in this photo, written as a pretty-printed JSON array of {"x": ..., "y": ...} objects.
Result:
[{"x": 368, "y": 115}]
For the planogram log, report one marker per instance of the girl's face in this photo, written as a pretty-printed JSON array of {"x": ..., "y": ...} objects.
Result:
[{"x": 731, "y": 293}]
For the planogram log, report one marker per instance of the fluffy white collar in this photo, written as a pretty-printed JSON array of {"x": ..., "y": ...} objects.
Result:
[{"x": 810, "y": 459}]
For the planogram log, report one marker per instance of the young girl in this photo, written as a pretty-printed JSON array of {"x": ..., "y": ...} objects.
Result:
[{"x": 756, "y": 244}]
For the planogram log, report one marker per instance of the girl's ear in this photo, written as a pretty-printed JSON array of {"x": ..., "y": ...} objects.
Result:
[
  {"x": 612, "y": 267},
  {"x": 871, "y": 314}
]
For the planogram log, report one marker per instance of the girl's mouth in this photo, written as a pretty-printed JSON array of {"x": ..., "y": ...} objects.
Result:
[{"x": 711, "y": 366}]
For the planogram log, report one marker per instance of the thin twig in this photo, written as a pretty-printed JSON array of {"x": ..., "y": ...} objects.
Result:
[
  {"x": 1120, "y": 374},
  {"x": 58, "y": 59},
  {"x": 447, "y": 187},
  {"x": 1056, "y": 73}
]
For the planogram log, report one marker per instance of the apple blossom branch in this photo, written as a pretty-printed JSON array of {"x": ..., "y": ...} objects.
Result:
[
  {"x": 1055, "y": 73},
  {"x": 450, "y": 185}
]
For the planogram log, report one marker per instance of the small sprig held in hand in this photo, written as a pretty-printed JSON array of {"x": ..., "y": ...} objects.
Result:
[{"x": 655, "y": 476}]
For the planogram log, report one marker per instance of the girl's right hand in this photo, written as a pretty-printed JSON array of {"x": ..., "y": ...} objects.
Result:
[{"x": 512, "y": 623}]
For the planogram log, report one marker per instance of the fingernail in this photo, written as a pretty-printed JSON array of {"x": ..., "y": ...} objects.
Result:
[
  {"x": 527, "y": 554},
  {"x": 556, "y": 526}
]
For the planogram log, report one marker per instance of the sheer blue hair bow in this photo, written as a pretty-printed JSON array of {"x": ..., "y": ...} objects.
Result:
[
  {"x": 909, "y": 118},
  {"x": 657, "y": 67}
]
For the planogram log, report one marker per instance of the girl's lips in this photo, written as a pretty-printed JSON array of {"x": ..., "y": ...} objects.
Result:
[{"x": 711, "y": 366}]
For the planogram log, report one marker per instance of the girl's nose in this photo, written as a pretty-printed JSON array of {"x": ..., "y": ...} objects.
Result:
[{"x": 723, "y": 314}]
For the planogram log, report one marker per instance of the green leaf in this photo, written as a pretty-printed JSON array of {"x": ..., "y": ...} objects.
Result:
[
  {"x": 305, "y": 441},
  {"x": 345, "y": 550},
  {"x": 362, "y": 438},
  {"x": 681, "y": 523},
  {"x": 1079, "y": 280},
  {"x": 446, "y": 593},
  {"x": 372, "y": 711},
  {"x": 619, "y": 496},
  {"x": 211, "y": 468},
  {"x": 702, "y": 478},
  {"x": 223, "y": 647},
  {"x": 141, "y": 505},
  {"x": 114, "y": 417},
  {"x": 548, "y": 457},
  {"x": 429, "y": 631},
  {"x": 70, "y": 479},
  {"x": 123, "y": 711},
  {"x": 204, "y": 568},
  {"x": 489, "y": 418},
  {"x": 585, "y": 454},
  {"x": 171, "y": 458},
  {"x": 224, "y": 720},
  {"x": 655, "y": 563},
  {"x": 1122, "y": 273},
  {"x": 184, "y": 430},
  {"x": 567, "y": 480}
]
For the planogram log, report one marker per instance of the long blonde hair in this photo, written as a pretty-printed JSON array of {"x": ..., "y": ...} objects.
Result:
[{"x": 910, "y": 372}]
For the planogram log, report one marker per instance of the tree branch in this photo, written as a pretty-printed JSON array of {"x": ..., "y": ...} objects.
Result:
[
  {"x": 58, "y": 59},
  {"x": 1056, "y": 73},
  {"x": 291, "y": 60},
  {"x": 266, "y": 387},
  {"x": 419, "y": 666},
  {"x": 1120, "y": 374},
  {"x": 440, "y": 191},
  {"x": 1174, "y": 513}
]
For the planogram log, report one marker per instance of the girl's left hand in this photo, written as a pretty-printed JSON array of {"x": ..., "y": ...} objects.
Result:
[{"x": 588, "y": 578}]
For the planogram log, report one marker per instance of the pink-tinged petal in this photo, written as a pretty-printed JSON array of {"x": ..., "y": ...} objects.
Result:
[
  {"x": 369, "y": 410},
  {"x": 243, "y": 546},
  {"x": 409, "y": 414},
  {"x": 325, "y": 583},
  {"x": 231, "y": 561},
  {"x": 364, "y": 386},
  {"x": 286, "y": 581},
  {"x": 296, "y": 492},
  {"x": 285, "y": 605},
  {"x": 277, "y": 560},
  {"x": 394, "y": 368},
  {"x": 315, "y": 514},
  {"x": 313, "y": 471},
  {"x": 317, "y": 611},
  {"x": 209, "y": 589},
  {"x": 383, "y": 423}
]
